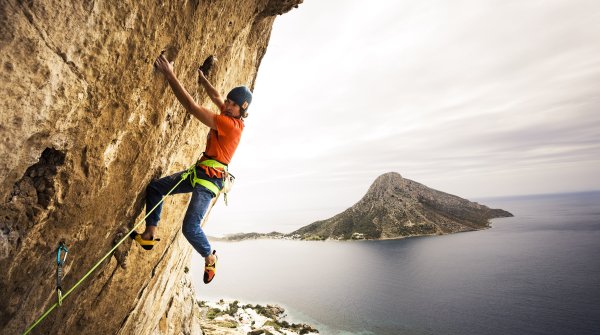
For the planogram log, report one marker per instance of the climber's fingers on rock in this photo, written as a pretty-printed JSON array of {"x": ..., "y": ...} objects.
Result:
[
  {"x": 161, "y": 59},
  {"x": 162, "y": 64}
]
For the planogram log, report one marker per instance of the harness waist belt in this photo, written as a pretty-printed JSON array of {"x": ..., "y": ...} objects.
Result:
[
  {"x": 213, "y": 163},
  {"x": 207, "y": 183}
]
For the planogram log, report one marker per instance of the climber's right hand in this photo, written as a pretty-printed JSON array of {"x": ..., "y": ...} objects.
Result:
[{"x": 162, "y": 64}]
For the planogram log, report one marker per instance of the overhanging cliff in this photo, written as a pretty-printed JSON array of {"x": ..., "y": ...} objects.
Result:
[{"x": 85, "y": 124}]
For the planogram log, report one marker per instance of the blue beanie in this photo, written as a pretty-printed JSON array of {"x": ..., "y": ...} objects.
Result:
[{"x": 241, "y": 96}]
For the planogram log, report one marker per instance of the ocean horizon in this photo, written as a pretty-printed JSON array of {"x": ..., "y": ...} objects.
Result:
[{"x": 534, "y": 273}]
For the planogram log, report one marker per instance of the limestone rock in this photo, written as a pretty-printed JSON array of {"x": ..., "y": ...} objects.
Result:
[{"x": 85, "y": 124}]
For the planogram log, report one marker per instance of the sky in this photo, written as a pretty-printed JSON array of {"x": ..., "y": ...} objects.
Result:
[{"x": 476, "y": 98}]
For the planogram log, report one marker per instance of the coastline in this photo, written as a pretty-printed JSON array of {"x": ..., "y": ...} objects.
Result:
[
  {"x": 228, "y": 317},
  {"x": 269, "y": 236}
]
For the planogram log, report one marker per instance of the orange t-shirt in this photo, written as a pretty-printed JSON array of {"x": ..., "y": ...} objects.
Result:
[{"x": 222, "y": 142}]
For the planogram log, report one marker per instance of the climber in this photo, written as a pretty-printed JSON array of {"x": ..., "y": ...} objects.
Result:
[{"x": 223, "y": 138}]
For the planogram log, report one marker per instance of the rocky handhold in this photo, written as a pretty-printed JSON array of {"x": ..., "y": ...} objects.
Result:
[
  {"x": 396, "y": 207},
  {"x": 122, "y": 250},
  {"x": 207, "y": 66}
]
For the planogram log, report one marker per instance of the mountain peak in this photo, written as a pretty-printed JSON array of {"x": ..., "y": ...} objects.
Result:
[
  {"x": 387, "y": 179},
  {"x": 385, "y": 183}
]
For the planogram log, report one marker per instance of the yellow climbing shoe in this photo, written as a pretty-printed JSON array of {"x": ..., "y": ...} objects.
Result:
[{"x": 146, "y": 244}]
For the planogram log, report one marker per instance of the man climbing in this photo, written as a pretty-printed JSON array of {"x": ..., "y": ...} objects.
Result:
[{"x": 223, "y": 138}]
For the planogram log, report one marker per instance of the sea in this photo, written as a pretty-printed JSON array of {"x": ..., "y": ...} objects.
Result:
[{"x": 535, "y": 273}]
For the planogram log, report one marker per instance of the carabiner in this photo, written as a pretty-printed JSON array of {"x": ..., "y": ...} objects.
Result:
[
  {"x": 59, "y": 271},
  {"x": 61, "y": 246}
]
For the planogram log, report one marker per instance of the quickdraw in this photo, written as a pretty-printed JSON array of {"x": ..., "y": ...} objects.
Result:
[{"x": 59, "y": 269}]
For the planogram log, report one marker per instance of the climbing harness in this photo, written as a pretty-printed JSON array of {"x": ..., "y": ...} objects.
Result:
[
  {"x": 64, "y": 296},
  {"x": 59, "y": 269},
  {"x": 228, "y": 178},
  {"x": 207, "y": 183}
]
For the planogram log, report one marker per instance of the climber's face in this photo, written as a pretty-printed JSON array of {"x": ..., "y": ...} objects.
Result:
[{"x": 232, "y": 109}]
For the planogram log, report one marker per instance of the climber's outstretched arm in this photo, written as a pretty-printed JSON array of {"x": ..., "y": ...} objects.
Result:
[
  {"x": 213, "y": 94},
  {"x": 201, "y": 113}
]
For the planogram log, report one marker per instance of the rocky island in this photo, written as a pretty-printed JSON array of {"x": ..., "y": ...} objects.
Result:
[{"x": 396, "y": 207}]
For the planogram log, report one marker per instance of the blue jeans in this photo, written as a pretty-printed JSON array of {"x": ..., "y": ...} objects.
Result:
[{"x": 201, "y": 198}]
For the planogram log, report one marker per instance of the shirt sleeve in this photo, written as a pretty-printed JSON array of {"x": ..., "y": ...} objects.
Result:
[{"x": 226, "y": 126}]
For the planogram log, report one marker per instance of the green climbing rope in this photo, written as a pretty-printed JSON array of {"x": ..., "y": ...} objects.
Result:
[{"x": 183, "y": 177}]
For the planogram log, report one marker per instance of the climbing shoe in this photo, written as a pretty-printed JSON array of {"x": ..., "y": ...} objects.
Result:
[
  {"x": 146, "y": 244},
  {"x": 210, "y": 269}
]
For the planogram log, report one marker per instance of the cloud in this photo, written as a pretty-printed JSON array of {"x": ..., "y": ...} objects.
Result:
[{"x": 475, "y": 98}]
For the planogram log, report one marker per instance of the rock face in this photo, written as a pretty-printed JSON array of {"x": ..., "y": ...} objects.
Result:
[
  {"x": 85, "y": 124},
  {"x": 396, "y": 207}
]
